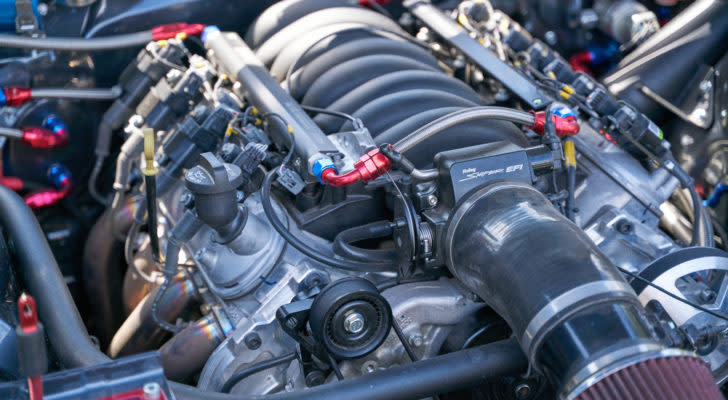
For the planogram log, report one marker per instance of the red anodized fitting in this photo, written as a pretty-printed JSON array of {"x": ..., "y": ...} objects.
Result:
[
  {"x": 16, "y": 96},
  {"x": 565, "y": 126},
  {"x": 49, "y": 198},
  {"x": 164, "y": 32},
  {"x": 370, "y": 166},
  {"x": 41, "y": 138}
]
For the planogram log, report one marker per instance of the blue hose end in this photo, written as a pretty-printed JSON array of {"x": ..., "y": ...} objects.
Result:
[
  {"x": 2, "y": 98},
  {"x": 714, "y": 198},
  {"x": 208, "y": 30},
  {"x": 58, "y": 175},
  {"x": 321, "y": 165}
]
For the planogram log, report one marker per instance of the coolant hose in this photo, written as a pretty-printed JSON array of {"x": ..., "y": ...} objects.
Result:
[
  {"x": 56, "y": 308},
  {"x": 576, "y": 318},
  {"x": 343, "y": 247}
]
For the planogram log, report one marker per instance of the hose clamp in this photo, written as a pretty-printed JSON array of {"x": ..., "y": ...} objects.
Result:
[{"x": 566, "y": 305}]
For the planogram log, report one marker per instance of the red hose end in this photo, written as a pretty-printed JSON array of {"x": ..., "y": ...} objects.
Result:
[
  {"x": 40, "y": 138},
  {"x": 580, "y": 62},
  {"x": 49, "y": 198},
  {"x": 12, "y": 183},
  {"x": 17, "y": 96},
  {"x": 565, "y": 126},
  {"x": 164, "y": 32},
  {"x": 369, "y": 167},
  {"x": 372, "y": 165}
]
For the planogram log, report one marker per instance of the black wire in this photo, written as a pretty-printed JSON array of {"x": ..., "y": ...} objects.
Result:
[
  {"x": 403, "y": 339},
  {"x": 291, "y": 144},
  {"x": 676, "y": 297},
  {"x": 334, "y": 366},
  {"x": 300, "y": 245},
  {"x": 255, "y": 368}
]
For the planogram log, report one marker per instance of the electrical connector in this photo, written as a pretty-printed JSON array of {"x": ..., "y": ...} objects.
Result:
[{"x": 370, "y": 166}]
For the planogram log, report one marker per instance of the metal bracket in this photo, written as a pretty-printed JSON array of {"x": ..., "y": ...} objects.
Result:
[{"x": 25, "y": 20}]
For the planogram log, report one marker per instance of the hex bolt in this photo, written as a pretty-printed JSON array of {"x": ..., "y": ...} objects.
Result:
[
  {"x": 252, "y": 341},
  {"x": 416, "y": 340},
  {"x": 624, "y": 227},
  {"x": 432, "y": 200},
  {"x": 354, "y": 323},
  {"x": 523, "y": 390},
  {"x": 152, "y": 391}
]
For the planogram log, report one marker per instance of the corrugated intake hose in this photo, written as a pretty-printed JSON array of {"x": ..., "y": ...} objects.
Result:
[
  {"x": 387, "y": 80},
  {"x": 576, "y": 318}
]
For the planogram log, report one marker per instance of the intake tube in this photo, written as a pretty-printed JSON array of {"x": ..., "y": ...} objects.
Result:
[{"x": 576, "y": 318}]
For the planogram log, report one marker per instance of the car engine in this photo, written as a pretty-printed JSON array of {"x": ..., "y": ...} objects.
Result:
[{"x": 329, "y": 199}]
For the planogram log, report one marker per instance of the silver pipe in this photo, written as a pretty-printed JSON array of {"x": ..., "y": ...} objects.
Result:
[
  {"x": 77, "y": 94},
  {"x": 460, "y": 117},
  {"x": 77, "y": 44},
  {"x": 11, "y": 133}
]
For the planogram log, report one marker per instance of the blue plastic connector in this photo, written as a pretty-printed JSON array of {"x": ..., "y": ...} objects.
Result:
[
  {"x": 714, "y": 198},
  {"x": 208, "y": 30},
  {"x": 2, "y": 98},
  {"x": 563, "y": 111},
  {"x": 321, "y": 165}
]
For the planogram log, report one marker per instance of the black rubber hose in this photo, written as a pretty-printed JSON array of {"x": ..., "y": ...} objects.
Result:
[
  {"x": 282, "y": 14},
  {"x": 343, "y": 78},
  {"x": 41, "y": 274},
  {"x": 393, "y": 83},
  {"x": 342, "y": 243},
  {"x": 265, "y": 197},
  {"x": 350, "y": 50},
  {"x": 254, "y": 369},
  {"x": 441, "y": 374},
  {"x": 383, "y": 112}
]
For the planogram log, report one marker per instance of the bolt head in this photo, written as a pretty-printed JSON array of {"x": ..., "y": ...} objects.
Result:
[
  {"x": 551, "y": 38},
  {"x": 42, "y": 9},
  {"x": 523, "y": 390},
  {"x": 416, "y": 340},
  {"x": 432, "y": 200},
  {"x": 354, "y": 323},
  {"x": 152, "y": 391},
  {"x": 252, "y": 341}
]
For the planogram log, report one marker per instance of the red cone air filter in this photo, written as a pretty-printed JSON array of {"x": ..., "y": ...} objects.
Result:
[{"x": 667, "y": 378}]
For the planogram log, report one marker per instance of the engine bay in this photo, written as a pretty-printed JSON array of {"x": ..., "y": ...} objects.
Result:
[{"x": 328, "y": 199}]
